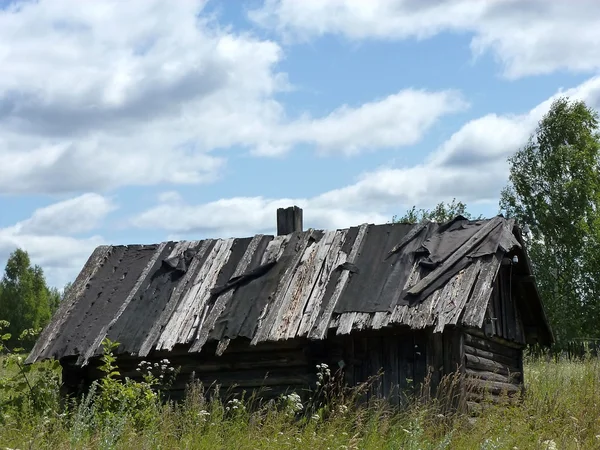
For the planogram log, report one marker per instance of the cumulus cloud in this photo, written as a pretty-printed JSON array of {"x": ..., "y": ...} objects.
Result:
[
  {"x": 76, "y": 215},
  {"x": 526, "y": 36},
  {"x": 116, "y": 94},
  {"x": 147, "y": 92},
  {"x": 398, "y": 120},
  {"x": 47, "y": 235},
  {"x": 241, "y": 216},
  {"x": 471, "y": 166}
]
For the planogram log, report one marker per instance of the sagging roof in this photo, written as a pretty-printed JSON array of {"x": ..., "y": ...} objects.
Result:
[{"x": 268, "y": 288}]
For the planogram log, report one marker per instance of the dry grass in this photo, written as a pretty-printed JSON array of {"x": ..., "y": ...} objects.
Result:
[{"x": 561, "y": 409}]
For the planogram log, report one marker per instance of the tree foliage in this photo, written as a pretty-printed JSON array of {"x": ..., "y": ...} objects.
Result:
[
  {"x": 442, "y": 212},
  {"x": 26, "y": 302},
  {"x": 554, "y": 189}
]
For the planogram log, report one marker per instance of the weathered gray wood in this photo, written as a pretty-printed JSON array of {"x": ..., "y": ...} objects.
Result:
[
  {"x": 378, "y": 320},
  {"x": 300, "y": 294},
  {"x": 493, "y": 376},
  {"x": 190, "y": 309},
  {"x": 313, "y": 305},
  {"x": 222, "y": 300},
  {"x": 453, "y": 299},
  {"x": 222, "y": 346},
  {"x": 477, "y": 305},
  {"x": 362, "y": 321},
  {"x": 157, "y": 327},
  {"x": 475, "y": 332},
  {"x": 492, "y": 355},
  {"x": 346, "y": 323},
  {"x": 320, "y": 330},
  {"x": 460, "y": 253},
  {"x": 264, "y": 330},
  {"x": 490, "y": 346},
  {"x": 508, "y": 241},
  {"x": 480, "y": 363},
  {"x": 289, "y": 220},
  {"x": 461, "y": 296}
]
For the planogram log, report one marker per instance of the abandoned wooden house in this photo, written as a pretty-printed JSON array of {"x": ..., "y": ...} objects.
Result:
[{"x": 411, "y": 300}]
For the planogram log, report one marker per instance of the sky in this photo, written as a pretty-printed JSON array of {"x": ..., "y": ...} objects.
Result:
[{"x": 144, "y": 121}]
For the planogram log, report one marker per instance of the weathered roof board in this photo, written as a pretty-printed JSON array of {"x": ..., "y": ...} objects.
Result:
[{"x": 269, "y": 288}]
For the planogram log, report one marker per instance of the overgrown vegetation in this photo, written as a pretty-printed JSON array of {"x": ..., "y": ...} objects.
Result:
[
  {"x": 441, "y": 213},
  {"x": 561, "y": 409},
  {"x": 554, "y": 189},
  {"x": 26, "y": 301}
]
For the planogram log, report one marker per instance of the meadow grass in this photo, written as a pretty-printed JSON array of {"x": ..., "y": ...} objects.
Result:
[{"x": 561, "y": 409}]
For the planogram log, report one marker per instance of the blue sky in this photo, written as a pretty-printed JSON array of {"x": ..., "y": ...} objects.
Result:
[{"x": 147, "y": 121}]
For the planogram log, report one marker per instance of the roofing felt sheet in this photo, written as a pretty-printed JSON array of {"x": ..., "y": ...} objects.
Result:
[{"x": 269, "y": 288}]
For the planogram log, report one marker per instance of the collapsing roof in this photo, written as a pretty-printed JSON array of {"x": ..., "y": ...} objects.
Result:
[{"x": 268, "y": 288}]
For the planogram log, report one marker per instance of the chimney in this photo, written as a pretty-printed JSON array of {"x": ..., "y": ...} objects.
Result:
[{"x": 289, "y": 220}]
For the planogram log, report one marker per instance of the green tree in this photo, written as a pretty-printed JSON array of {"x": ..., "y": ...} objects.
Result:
[
  {"x": 442, "y": 212},
  {"x": 554, "y": 189},
  {"x": 26, "y": 302}
]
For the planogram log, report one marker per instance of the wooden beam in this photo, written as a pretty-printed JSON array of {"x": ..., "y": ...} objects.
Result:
[
  {"x": 289, "y": 220},
  {"x": 461, "y": 252}
]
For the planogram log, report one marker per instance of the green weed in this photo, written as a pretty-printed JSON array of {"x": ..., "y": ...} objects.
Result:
[{"x": 561, "y": 409}]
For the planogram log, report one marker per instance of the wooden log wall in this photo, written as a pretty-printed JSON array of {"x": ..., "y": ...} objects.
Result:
[
  {"x": 270, "y": 368},
  {"x": 275, "y": 368},
  {"x": 493, "y": 365}
]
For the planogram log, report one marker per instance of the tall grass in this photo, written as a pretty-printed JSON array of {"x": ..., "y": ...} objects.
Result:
[{"x": 561, "y": 409}]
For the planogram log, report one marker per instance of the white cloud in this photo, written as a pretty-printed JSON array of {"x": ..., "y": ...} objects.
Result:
[
  {"x": 527, "y": 36},
  {"x": 116, "y": 94},
  {"x": 169, "y": 197},
  {"x": 145, "y": 92},
  {"x": 398, "y": 120},
  {"x": 76, "y": 215},
  {"x": 245, "y": 216},
  {"x": 470, "y": 166},
  {"x": 48, "y": 235}
]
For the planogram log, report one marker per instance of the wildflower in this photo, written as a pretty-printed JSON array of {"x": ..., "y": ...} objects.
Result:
[
  {"x": 549, "y": 445},
  {"x": 315, "y": 417}
]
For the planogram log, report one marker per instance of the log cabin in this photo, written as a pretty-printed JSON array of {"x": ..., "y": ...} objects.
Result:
[{"x": 409, "y": 302}]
